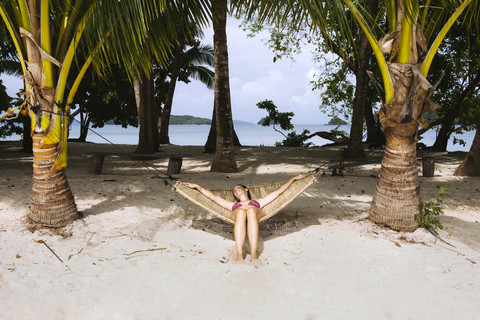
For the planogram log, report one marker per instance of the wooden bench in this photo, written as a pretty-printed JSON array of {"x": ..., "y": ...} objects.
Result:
[{"x": 174, "y": 160}]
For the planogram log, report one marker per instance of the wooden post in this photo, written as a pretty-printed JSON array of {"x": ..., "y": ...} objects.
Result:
[
  {"x": 428, "y": 166},
  {"x": 174, "y": 165}
]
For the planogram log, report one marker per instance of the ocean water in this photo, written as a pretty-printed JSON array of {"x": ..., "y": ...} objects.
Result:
[{"x": 249, "y": 135}]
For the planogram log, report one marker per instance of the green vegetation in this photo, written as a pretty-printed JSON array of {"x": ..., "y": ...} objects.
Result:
[
  {"x": 284, "y": 120},
  {"x": 429, "y": 211},
  {"x": 335, "y": 121},
  {"x": 189, "y": 120}
]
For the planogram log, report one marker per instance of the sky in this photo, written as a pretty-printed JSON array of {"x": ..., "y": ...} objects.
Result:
[{"x": 254, "y": 77}]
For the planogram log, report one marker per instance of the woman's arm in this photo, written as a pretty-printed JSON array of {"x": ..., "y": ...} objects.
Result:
[
  {"x": 218, "y": 200},
  {"x": 274, "y": 195}
]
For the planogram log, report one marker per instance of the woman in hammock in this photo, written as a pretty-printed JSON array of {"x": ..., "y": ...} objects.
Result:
[{"x": 246, "y": 212}]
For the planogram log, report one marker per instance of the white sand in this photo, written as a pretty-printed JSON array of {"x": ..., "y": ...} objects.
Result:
[{"x": 143, "y": 252}]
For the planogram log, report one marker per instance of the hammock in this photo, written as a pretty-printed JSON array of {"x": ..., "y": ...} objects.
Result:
[{"x": 256, "y": 191}]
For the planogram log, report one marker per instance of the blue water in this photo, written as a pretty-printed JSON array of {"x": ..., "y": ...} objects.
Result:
[{"x": 249, "y": 135}]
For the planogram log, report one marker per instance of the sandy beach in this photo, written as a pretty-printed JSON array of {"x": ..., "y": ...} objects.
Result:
[{"x": 141, "y": 251}]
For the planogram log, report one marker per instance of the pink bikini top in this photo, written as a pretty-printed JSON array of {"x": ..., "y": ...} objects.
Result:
[{"x": 251, "y": 203}]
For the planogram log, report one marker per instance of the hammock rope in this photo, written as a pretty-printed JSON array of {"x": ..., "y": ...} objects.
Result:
[{"x": 256, "y": 191}]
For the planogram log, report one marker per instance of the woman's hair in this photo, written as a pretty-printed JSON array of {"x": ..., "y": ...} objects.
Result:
[{"x": 244, "y": 187}]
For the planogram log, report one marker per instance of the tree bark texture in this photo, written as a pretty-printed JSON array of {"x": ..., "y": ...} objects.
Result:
[
  {"x": 397, "y": 194},
  {"x": 224, "y": 160},
  {"x": 52, "y": 203},
  {"x": 471, "y": 165},
  {"x": 148, "y": 133}
]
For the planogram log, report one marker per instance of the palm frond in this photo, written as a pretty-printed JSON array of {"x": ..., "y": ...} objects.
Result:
[
  {"x": 204, "y": 75},
  {"x": 11, "y": 67}
]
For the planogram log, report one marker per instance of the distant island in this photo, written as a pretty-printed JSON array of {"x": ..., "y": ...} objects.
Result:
[
  {"x": 185, "y": 120},
  {"x": 188, "y": 120},
  {"x": 337, "y": 122}
]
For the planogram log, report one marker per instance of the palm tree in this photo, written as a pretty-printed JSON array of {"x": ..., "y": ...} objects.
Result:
[
  {"x": 404, "y": 57},
  {"x": 224, "y": 159},
  {"x": 193, "y": 62},
  {"x": 48, "y": 35}
]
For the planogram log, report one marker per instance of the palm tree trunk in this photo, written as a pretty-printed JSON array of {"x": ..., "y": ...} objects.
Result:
[
  {"x": 355, "y": 146},
  {"x": 471, "y": 165},
  {"x": 397, "y": 194},
  {"x": 224, "y": 160},
  {"x": 52, "y": 203},
  {"x": 397, "y": 197},
  {"x": 210, "y": 145},
  {"x": 148, "y": 133}
]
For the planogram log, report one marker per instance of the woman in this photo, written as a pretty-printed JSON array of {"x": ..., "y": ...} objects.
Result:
[{"x": 246, "y": 212}]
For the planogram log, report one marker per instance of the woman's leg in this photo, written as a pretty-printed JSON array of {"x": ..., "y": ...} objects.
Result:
[
  {"x": 240, "y": 231},
  {"x": 252, "y": 227}
]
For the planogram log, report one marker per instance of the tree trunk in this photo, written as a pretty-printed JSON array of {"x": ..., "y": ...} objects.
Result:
[
  {"x": 84, "y": 130},
  {"x": 27, "y": 141},
  {"x": 397, "y": 194},
  {"x": 52, "y": 203},
  {"x": 224, "y": 160},
  {"x": 360, "y": 102},
  {"x": 471, "y": 165},
  {"x": 355, "y": 145},
  {"x": 148, "y": 133},
  {"x": 374, "y": 132},
  {"x": 167, "y": 106},
  {"x": 211, "y": 143}
]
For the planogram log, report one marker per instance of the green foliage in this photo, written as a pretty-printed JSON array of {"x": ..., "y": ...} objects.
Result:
[
  {"x": 107, "y": 99},
  {"x": 189, "y": 120},
  {"x": 274, "y": 117},
  {"x": 284, "y": 120},
  {"x": 337, "y": 89},
  {"x": 339, "y": 133},
  {"x": 459, "y": 58},
  {"x": 336, "y": 121},
  {"x": 14, "y": 126},
  {"x": 429, "y": 211},
  {"x": 295, "y": 140}
]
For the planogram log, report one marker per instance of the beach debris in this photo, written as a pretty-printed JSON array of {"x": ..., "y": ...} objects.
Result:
[
  {"x": 223, "y": 260},
  {"x": 46, "y": 245},
  {"x": 131, "y": 254}
]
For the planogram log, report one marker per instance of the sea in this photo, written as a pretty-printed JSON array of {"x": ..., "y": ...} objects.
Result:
[{"x": 249, "y": 134}]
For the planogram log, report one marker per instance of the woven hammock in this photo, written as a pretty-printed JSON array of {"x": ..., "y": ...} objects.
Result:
[{"x": 256, "y": 192}]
